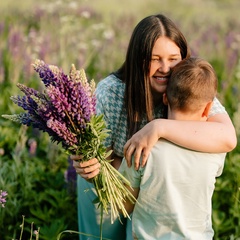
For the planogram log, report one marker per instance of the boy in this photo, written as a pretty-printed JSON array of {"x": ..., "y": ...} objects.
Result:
[{"x": 174, "y": 190}]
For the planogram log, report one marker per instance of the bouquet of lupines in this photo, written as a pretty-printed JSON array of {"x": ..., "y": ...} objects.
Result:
[{"x": 65, "y": 109}]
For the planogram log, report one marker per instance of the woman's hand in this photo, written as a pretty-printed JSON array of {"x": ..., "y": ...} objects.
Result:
[
  {"x": 141, "y": 143},
  {"x": 87, "y": 169}
]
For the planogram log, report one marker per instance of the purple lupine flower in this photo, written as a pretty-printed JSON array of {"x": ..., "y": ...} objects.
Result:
[
  {"x": 29, "y": 91},
  {"x": 25, "y": 102},
  {"x": 2, "y": 26},
  {"x": 3, "y": 200},
  {"x": 81, "y": 105},
  {"x": 45, "y": 73},
  {"x": 32, "y": 143},
  {"x": 86, "y": 91},
  {"x": 24, "y": 118},
  {"x": 71, "y": 177},
  {"x": 59, "y": 101},
  {"x": 62, "y": 131},
  {"x": 15, "y": 42},
  {"x": 72, "y": 101},
  {"x": 65, "y": 106}
]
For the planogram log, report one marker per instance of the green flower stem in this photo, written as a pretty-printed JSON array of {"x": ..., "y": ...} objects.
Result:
[
  {"x": 101, "y": 222},
  {"x": 116, "y": 190},
  {"x": 31, "y": 231},
  {"x": 109, "y": 184},
  {"x": 80, "y": 233},
  {"x": 22, "y": 226}
]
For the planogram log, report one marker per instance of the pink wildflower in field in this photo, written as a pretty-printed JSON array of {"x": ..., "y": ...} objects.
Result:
[{"x": 3, "y": 195}]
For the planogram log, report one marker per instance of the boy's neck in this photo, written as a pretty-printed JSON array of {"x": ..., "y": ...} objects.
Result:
[
  {"x": 185, "y": 116},
  {"x": 198, "y": 115}
]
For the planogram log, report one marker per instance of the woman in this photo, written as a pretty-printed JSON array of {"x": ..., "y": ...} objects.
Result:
[{"x": 130, "y": 98}]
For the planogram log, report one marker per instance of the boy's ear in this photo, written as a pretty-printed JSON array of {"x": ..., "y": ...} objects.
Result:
[
  {"x": 207, "y": 109},
  {"x": 165, "y": 100}
]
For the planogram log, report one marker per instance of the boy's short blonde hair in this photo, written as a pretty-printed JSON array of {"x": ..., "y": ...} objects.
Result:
[{"x": 193, "y": 82}]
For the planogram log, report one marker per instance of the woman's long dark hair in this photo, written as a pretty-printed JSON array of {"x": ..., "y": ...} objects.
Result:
[{"x": 135, "y": 70}]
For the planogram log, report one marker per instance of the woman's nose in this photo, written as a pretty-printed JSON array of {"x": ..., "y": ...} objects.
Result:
[{"x": 164, "y": 67}]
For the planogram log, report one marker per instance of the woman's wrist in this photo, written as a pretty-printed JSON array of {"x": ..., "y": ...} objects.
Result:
[{"x": 159, "y": 127}]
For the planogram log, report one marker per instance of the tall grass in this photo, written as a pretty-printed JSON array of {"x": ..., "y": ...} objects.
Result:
[{"x": 94, "y": 35}]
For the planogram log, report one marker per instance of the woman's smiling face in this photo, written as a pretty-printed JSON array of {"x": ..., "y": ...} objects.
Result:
[{"x": 165, "y": 55}]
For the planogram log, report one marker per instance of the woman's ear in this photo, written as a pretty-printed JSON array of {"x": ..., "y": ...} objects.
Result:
[
  {"x": 165, "y": 100},
  {"x": 207, "y": 109}
]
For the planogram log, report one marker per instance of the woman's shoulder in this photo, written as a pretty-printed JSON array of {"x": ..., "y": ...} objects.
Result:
[
  {"x": 110, "y": 85},
  {"x": 216, "y": 108}
]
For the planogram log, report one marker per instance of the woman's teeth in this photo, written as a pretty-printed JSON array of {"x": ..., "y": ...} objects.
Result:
[{"x": 161, "y": 78}]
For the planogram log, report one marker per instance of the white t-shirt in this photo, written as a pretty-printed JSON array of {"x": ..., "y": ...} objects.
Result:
[{"x": 176, "y": 188}]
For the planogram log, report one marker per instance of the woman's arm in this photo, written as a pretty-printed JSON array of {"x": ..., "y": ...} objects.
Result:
[{"x": 215, "y": 135}]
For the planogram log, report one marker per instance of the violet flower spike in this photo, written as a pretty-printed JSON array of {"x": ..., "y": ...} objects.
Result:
[
  {"x": 59, "y": 101},
  {"x": 80, "y": 105},
  {"x": 45, "y": 73},
  {"x": 86, "y": 90},
  {"x": 62, "y": 131},
  {"x": 23, "y": 118},
  {"x": 29, "y": 91},
  {"x": 25, "y": 102}
]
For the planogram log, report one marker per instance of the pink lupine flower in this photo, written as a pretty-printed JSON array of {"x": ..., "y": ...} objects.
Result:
[{"x": 3, "y": 200}]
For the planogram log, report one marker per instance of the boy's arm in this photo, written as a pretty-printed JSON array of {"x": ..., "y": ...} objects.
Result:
[
  {"x": 134, "y": 178},
  {"x": 129, "y": 206}
]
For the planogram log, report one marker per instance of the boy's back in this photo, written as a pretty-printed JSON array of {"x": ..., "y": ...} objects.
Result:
[{"x": 177, "y": 203}]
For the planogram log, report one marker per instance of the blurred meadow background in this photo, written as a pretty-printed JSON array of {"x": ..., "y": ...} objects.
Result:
[{"x": 94, "y": 35}]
